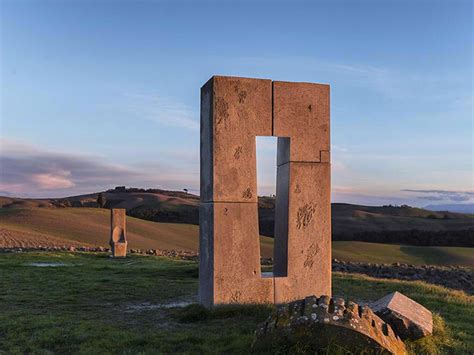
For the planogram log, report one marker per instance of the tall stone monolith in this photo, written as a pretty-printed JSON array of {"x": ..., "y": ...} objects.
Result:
[{"x": 234, "y": 111}]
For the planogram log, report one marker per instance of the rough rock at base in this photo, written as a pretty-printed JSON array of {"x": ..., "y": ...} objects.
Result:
[
  {"x": 319, "y": 323},
  {"x": 408, "y": 318}
]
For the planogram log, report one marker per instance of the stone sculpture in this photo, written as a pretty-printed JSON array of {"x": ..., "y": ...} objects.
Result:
[
  {"x": 315, "y": 323},
  {"x": 118, "y": 239},
  {"x": 408, "y": 318},
  {"x": 234, "y": 111}
]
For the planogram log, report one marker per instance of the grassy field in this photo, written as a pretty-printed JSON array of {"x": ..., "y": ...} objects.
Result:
[
  {"x": 94, "y": 304},
  {"x": 390, "y": 253},
  {"x": 90, "y": 226}
]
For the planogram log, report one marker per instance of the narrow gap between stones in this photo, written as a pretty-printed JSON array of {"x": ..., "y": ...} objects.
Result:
[{"x": 266, "y": 189}]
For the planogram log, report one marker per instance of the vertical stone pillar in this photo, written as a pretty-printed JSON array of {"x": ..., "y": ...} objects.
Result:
[
  {"x": 233, "y": 112},
  {"x": 302, "y": 256},
  {"x": 118, "y": 241}
]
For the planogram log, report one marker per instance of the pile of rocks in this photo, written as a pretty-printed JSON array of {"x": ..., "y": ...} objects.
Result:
[
  {"x": 410, "y": 320},
  {"x": 315, "y": 324},
  {"x": 323, "y": 323},
  {"x": 454, "y": 277},
  {"x": 179, "y": 254}
]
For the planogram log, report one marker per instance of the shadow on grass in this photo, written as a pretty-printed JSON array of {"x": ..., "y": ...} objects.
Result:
[{"x": 198, "y": 313}]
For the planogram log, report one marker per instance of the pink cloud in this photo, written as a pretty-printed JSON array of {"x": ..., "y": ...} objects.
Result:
[{"x": 54, "y": 180}]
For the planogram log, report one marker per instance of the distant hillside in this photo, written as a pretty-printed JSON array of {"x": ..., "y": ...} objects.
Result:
[
  {"x": 152, "y": 204},
  {"x": 403, "y": 224},
  {"x": 453, "y": 207},
  {"x": 91, "y": 227},
  {"x": 78, "y": 227}
]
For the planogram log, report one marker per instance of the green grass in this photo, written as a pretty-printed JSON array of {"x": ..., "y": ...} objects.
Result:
[
  {"x": 390, "y": 253},
  {"x": 102, "y": 305}
]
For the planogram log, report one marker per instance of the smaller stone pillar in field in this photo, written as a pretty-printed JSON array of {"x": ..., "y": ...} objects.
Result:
[{"x": 118, "y": 240}]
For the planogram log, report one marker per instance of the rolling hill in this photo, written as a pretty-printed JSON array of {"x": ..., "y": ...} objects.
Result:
[
  {"x": 349, "y": 222},
  {"x": 32, "y": 227},
  {"x": 91, "y": 227}
]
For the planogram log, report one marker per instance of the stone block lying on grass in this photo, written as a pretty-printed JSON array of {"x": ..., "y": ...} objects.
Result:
[
  {"x": 408, "y": 318},
  {"x": 316, "y": 324}
]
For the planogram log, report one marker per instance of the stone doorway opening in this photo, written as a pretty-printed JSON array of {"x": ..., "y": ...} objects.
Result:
[
  {"x": 271, "y": 193},
  {"x": 266, "y": 189}
]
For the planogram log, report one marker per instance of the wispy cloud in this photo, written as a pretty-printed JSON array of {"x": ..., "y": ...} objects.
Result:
[
  {"x": 397, "y": 84},
  {"x": 391, "y": 82},
  {"x": 31, "y": 171},
  {"x": 442, "y": 195},
  {"x": 58, "y": 179},
  {"x": 163, "y": 110},
  {"x": 28, "y": 169},
  {"x": 348, "y": 194}
]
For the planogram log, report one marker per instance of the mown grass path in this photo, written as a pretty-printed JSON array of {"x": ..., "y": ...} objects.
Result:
[{"x": 93, "y": 304}]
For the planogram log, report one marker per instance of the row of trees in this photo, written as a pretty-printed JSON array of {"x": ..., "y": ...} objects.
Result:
[{"x": 137, "y": 189}]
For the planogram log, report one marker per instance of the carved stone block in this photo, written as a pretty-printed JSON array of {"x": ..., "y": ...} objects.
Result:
[
  {"x": 409, "y": 319},
  {"x": 233, "y": 112},
  {"x": 230, "y": 255},
  {"x": 301, "y": 113},
  {"x": 118, "y": 240},
  {"x": 316, "y": 324},
  {"x": 302, "y": 256}
]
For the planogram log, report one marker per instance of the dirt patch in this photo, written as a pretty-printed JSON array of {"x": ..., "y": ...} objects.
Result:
[
  {"x": 49, "y": 264},
  {"x": 10, "y": 238},
  {"x": 147, "y": 306}
]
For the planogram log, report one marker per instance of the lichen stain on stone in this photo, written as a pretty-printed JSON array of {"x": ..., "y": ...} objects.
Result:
[
  {"x": 222, "y": 109},
  {"x": 220, "y": 277},
  {"x": 238, "y": 151},
  {"x": 305, "y": 215},
  {"x": 312, "y": 251},
  {"x": 247, "y": 194},
  {"x": 299, "y": 322},
  {"x": 236, "y": 296},
  {"x": 242, "y": 94}
]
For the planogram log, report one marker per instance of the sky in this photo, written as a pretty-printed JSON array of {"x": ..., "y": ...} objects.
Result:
[{"x": 96, "y": 94}]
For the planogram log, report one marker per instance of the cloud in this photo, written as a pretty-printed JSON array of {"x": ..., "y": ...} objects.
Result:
[
  {"x": 30, "y": 171},
  {"x": 431, "y": 198},
  {"x": 349, "y": 194},
  {"x": 442, "y": 195},
  {"x": 440, "y": 191},
  {"x": 389, "y": 82},
  {"x": 338, "y": 149},
  {"x": 161, "y": 109},
  {"x": 54, "y": 180},
  {"x": 27, "y": 169}
]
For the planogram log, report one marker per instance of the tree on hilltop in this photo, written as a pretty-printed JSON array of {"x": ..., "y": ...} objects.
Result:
[{"x": 101, "y": 200}]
